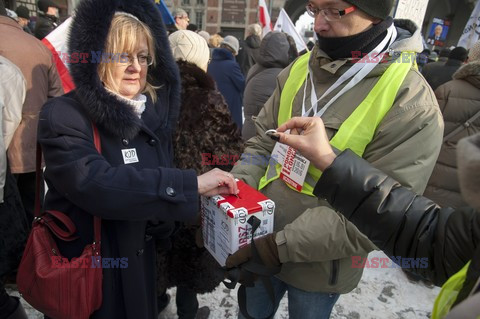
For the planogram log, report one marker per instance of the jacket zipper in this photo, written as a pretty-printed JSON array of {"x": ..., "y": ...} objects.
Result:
[{"x": 334, "y": 273}]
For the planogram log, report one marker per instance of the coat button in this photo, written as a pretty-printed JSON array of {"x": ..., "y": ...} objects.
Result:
[
  {"x": 152, "y": 142},
  {"x": 125, "y": 141},
  {"x": 170, "y": 192},
  {"x": 333, "y": 65},
  {"x": 148, "y": 237},
  {"x": 139, "y": 252}
]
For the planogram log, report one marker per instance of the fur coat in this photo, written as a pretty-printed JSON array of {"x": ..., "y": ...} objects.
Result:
[{"x": 205, "y": 130}]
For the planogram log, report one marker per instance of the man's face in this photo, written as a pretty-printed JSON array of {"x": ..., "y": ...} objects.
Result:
[
  {"x": 22, "y": 21},
  {"x": 182, "y": 22},
  {"x": 350, "y": 24},
  {"x": 52, "y": 11},
  {"x": 438, "y": 30}
]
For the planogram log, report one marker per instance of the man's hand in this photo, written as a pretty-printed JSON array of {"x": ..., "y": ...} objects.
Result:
[
  {"x": 266, "y": 247},
  {"x": 308, "y": 136}
]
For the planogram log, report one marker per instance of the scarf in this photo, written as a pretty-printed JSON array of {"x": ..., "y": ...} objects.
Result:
[{"x": 365, "y": 42}]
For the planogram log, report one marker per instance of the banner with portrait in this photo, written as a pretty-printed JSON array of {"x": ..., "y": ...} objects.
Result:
[{"x": 438, "y": 32}]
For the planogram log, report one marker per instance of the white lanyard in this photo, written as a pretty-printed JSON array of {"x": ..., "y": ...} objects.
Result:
[{"x": 358, "y": 71}]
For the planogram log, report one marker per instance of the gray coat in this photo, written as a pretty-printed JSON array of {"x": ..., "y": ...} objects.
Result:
[
  {"x": 261, "y": 78},
  {"x": 459, "y": 100}
]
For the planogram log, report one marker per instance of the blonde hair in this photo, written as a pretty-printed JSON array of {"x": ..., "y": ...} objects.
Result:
[
  {"x": 124, "y": 36},
  {"x": 254, "y": 29},
  {"x": 215, "y": 40}
]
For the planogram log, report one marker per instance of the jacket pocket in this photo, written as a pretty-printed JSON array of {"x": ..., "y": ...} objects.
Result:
[{"x": 335, "y": 264}]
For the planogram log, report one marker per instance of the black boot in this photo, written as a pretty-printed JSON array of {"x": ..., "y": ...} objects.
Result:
[{"x": 19, "y": 312}]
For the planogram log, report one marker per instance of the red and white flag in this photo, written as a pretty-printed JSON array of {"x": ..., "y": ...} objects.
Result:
[
  {"x": 264, "y": 17},
  {"x": 57, "y": 42}
]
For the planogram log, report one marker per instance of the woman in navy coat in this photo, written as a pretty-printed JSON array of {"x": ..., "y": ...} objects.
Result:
[{"x": 132, "y": 184}]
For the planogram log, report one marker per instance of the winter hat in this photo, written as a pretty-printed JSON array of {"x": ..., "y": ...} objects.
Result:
[
  {"x": 205, "y": 35},
  {"x": 188, "y": 46},
  {"x": 444, "y": 53},
  {"x": 474, "y": 53},
  {"x": 43, "y": 5},
  {"x": 23, "y": 12},
  {"x": 459, "y": 53},
  {"x": 433, "y": 56},
  {"x": 232, "y": 42},
  {"x": 376, "y": 8}
]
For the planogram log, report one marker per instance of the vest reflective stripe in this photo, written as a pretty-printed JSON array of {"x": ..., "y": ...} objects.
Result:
[
  {"x": 357, "y": 131},
  {"x": 295, "y": 80},
  {"x": 447, "y": 296}
]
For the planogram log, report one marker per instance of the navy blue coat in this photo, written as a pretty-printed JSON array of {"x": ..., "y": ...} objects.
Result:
[
  {"x": 136, "y": 201},
  {"x": 230, "y": 81}
]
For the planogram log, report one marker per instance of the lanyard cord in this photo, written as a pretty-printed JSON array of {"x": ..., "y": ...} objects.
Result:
[{"x": 359, "y": 71}]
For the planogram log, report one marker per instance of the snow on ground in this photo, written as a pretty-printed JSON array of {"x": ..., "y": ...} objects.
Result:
[{"x": 382, "y": 293}]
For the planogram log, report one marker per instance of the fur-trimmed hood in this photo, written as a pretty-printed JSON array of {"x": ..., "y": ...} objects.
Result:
[
  {"x": 408, "y": 36},
  {"x": 469, "y": 72},
  {"x": 468, "y": 157},
  {"x": 89, "y": 30}
]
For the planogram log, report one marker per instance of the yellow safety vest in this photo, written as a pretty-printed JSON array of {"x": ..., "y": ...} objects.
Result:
[
  {"x": 449, "y": 293},
  {"x": 357, "y": 131}
]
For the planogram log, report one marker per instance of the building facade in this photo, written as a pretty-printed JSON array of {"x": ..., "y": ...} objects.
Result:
[{"x": 230, "y": 17}]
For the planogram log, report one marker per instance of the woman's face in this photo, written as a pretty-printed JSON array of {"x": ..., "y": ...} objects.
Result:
[{"x": 130, "y": 77}]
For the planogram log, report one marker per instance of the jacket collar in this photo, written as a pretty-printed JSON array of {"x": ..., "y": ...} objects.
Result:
[
  {"x": 222, "y": 54},
  {"x": 90, "y": 27},
  {"x": 468, "y": 70}
]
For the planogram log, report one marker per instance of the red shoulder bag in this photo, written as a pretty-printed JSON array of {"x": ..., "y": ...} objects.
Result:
[{"x": 52, "y": 284}]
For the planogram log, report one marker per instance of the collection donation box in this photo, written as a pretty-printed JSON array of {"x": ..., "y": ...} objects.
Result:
[{"x": 225, "y": 225}]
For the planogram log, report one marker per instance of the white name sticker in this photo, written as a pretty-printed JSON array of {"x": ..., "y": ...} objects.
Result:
[{"x": 129, "y": 156}]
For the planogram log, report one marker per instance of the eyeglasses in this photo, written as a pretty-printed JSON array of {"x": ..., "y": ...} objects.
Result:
[
  {"x": 329, "y": 14},
  {"x": 143, "y": 60},
  {"x": 184, "y": 17}
]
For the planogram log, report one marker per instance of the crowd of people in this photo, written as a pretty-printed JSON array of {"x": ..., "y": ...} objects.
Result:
[{"x": 370, "y": 139}]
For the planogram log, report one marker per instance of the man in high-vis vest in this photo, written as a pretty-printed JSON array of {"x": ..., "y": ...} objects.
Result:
[{"x": 361, "y": 79}]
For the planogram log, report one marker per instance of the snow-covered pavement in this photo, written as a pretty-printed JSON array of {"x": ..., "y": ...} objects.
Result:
[{"x": 382, "y": 293}]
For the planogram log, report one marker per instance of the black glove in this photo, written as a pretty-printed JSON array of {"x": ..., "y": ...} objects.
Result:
[{"x": 267, "y": 250}]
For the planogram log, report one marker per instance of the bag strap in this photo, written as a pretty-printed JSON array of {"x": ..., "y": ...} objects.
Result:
[
  {"x": 248, "y": 271},
  {"x": 461, "y": 127},
  {"x": 46, "y": 218}
]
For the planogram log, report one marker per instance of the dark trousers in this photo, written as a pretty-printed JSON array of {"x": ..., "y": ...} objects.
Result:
[
  {"x": 187, "y": 303},
  {"x": 26, "y": 187},
  {"x": 7, "y": 303}
]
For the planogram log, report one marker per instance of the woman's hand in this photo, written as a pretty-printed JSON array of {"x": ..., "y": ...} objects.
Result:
[
  {"x": 308, "y": 136},
  {"x": 217, "y": 182}
]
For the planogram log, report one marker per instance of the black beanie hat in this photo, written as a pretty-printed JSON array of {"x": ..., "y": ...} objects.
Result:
[
  {"x": 459, "y": 53},
  {"x": 376, "y": 8},
  {"x": 23, "y": 12},
  {"x": 43, "y": 5}
]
